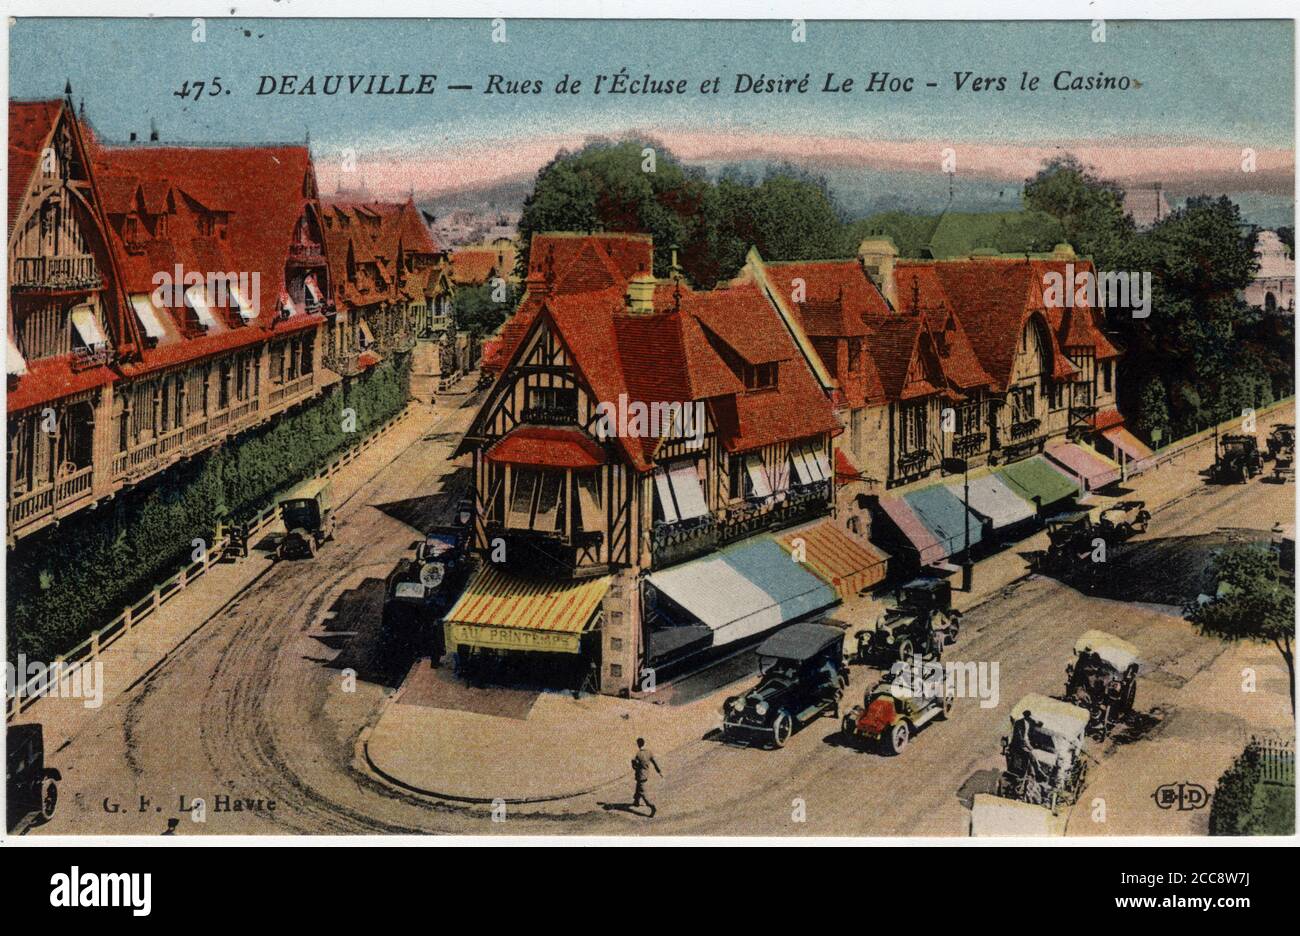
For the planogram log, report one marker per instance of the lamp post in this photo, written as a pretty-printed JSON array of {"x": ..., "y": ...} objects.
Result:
[{"x": 952, "y": 466}]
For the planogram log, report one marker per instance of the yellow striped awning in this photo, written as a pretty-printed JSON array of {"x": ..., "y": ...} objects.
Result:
[
  {"x": 844, "y": 561},
  {"x": 508, "y": 612}
]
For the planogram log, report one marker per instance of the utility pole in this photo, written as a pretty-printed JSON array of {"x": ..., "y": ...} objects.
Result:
[{"x": 952, "y": 466}]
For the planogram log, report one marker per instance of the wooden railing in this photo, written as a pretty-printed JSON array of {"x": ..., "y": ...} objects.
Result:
[
  {"x": 48, "y": 498},
  {"x": 68, "y": 272},
  {"x": 65, "y": 665},
  {"x": 290, "y": 389}
]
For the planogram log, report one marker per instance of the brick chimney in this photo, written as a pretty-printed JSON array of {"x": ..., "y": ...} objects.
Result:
[
  {"x": 877, "y": 256},
  {"x": 641, "y": 294}
]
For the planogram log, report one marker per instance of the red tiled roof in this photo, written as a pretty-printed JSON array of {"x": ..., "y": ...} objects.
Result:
[
  {"x": 30, "y": 123},
  {"x": 548, "y": 447},
  {"x": 473, "y": 266},
  {"x": 995, "y": 299},
  {"x": 1106, "y": 419},
  {"x": 266, "y": 190},
  {"x": 837, "y": 293},
  {"x": 896, "y": 342},
  {"x": 919, "y": 287},
  {"x": 52, "y": 378}
]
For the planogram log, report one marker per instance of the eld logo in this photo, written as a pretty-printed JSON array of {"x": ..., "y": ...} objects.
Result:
[
  {"x": 1186, "y": 796},
  {"x": 102, "y": 890}
]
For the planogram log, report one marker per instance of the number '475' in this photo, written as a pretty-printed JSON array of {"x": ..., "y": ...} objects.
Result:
[{"x": 195, "y": 89}]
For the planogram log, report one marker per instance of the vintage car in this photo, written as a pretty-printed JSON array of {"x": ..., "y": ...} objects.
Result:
[
  {"x": 1070, "y": 539},
  {"x": 1103, "y": 678},
  {"x": 892, "y": 712},
  {"x": 803, "y": 676},
  {"x": 32, "y": 790},
  {"x": 1239, "y": 459},
  {"x": 1124, "y": 518},
  {"x": 308, "y": 513},
  {"x": 420, "y": 590},
  {"x": 922, "y": 621},
  {"x": 1045, "y": 752},
  {"x": 1281, "y": 438}
]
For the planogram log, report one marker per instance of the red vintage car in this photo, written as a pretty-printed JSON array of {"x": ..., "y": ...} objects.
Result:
[{"x": 892, "y": 712}]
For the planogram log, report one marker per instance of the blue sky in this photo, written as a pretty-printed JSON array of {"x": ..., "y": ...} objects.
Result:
[{"x": 1224, "y": 80}]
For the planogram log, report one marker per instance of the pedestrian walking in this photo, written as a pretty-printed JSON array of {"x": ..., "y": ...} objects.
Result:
[{"x": 641, "y": 765}]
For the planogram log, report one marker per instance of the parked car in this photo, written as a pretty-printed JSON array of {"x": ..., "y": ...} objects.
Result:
[
  {"x": 421, "y": 589},
  {"x": 892, "y": 712},
  {"x": 1239, "y": 459},
  {"x": 921, "y": 621},
  {"x": 1070, "y": 537},
  {"x": 1103, "y": 678},
  {"x": 32, "y": 789},
  {"x": 803, "y": 676},
  {"x": 1123, "y": 519},
  {"x": 1050, "y": 771},
  {"x": 309, "y": 520},
  {"x": 1281, "y": 438}
]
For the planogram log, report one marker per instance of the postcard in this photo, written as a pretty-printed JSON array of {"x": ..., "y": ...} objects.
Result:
[{"x": 650, "y": 427}]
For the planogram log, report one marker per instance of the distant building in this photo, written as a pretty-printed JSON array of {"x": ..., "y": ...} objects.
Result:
[
  {"x": 1147, "y": 206},
  {"x": 1273, "y": 288}
]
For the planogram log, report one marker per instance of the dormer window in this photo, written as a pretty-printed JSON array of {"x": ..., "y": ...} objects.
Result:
[
  {"x": 205, "y": 224},
  {"x": 760, "y": 376},
  {"x": 87, "y": 330},
  {"x": 246, "y": 310},
  {"x": 147, "y": 316},
  {"x": 197, "y": 302}
]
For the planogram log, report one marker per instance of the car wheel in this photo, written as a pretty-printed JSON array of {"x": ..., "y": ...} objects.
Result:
[
  {"x": 782, "y": 728},
  {"x": 948, "y": 702},
  {"x": 898, "y": 737},
  {"x": 311, "y": 547},
  {"x": 849, "y": 725},
  {"x": 49, "y": 799},
  {"x": 905, "y": 650}
]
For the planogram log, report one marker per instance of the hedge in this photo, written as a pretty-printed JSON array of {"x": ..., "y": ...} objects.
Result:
[
  {"x": 1245, "y": 804},
  {"x": 68, "y": 580}
]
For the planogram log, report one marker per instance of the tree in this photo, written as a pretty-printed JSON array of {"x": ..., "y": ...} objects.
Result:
[
  {"x": 1254, "y": 603},
  {"x": 1090, "y": 208},
  {"x": 479, "y": 312}
]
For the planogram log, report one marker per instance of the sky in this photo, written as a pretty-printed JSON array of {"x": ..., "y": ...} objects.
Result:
[{"x": 1208, "y": 90}]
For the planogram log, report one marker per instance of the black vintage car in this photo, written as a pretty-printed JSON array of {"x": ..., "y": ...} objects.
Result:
[
  {"x": 420, "y": 590},
  {"x": 31, "y": 788},
  {"x": 1239, "y": 459},
  {"x": 803, "y": 676},
  {"x": 309, "y": 521},
  {"x": 1282, "y": 439},
  {"x": 922, "y": 621},
  {"x": 1070, "y": 540}
]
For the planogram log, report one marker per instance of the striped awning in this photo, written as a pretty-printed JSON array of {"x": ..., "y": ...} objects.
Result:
[
  {"x": 993, "y": 498},
  {"x": 745, "y": 589},
  {"x": 927, "y": 545},
  {"x": 848, "y": 563},
  {"x": 508, "y": 612},
  {"x": 944, "y": 514},
  {"x": 1038, "y": 478},
  {"x": 1086, "y": 463}
]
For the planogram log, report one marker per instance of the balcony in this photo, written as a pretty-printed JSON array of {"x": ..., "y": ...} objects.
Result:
[
  {"x": 85, "y": 358},
  {"x": 549, "y": 415},
  {"x": 290, "y": 390},
  {"x": 306, "y": 254},
  {"x": 968, "y": 444},
  {"x": 344, "y": 363},
  {"x": 73, "y": 272},
  {"x": 47, "y": 500},
  {"x": 914, "y": 462},
  {"x": 677, "y": 542},
  {"x": 1025, "y": 428}
]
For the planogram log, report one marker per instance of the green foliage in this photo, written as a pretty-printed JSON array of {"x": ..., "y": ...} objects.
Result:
[
  {"x": 1244, "y": 804},
  {"x": 68, "y": 580},
  {"x": 478, "y": 312},
  {"x": 788, "y": 214},
  {"x": 1091, "y": 210}
]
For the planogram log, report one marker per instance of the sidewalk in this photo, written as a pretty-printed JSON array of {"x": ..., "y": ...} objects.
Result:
[
  {"x": 439, "y": 737},
  {"x": 135, "y": 654}
]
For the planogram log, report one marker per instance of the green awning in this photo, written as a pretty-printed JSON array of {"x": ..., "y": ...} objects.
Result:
[{"x": 1036, "y": 477}]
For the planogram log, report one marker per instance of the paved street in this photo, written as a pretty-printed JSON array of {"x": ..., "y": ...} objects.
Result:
[{"x": 253, "y": 706}]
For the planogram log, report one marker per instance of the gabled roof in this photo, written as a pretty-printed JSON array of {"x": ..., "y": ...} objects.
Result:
[
  {"x": 30, "y": 125},
  {"x": 995, "y": 299},
  {"x": 837, "y": 293},
  {"x": 896, "y": 344},
  {"x": 919, "y": 287}
]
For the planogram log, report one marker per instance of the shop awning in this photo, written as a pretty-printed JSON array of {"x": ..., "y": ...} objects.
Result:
[
  {"x": 1084, "y": 461},
  {"x": 848, "y": 563},
  {"x": 919, "y": 536},
  {"x": 744, "y": 589},
  {"x": 547, "y": 447},
  {"x": 943, "y": 514},
  {"x": 1136, "y": 455},
  {"x": 1036, "y": 477},
  {"x": 507, "y": 612},
  {"x": 991, "y": 497}
]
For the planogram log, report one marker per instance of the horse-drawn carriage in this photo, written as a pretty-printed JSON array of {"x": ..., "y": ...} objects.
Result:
[{"x": 1103, "y": 679}]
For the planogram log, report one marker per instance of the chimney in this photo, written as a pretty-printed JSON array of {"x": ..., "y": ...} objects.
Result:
[
  {"x": 641, "y": 294},
  {"x": 153, "y": 131},
  {"x": 877, "y": 256}
]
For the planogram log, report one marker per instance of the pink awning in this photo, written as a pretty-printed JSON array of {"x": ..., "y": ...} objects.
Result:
[
  {"x": 1138, "y": 456},
  {"x": 1082, "y": 462},
  {"x": 928, "y": 547}
]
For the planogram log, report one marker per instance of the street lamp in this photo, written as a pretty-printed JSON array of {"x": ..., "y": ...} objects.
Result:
[{"x": 952, "y": 466}]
